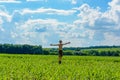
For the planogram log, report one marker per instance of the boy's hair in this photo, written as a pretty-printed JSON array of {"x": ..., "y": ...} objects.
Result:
[{"x": 60, "y": 41}]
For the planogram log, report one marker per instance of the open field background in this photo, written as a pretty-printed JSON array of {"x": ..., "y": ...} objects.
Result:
[{"x": 41, "y": 67}]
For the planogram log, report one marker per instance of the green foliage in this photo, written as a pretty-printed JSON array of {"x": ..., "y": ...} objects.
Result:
[
  {"x": 41, "y": 67},
  {"x": 68, "y": 52},
  {"x": 102, "y": 52},
  {"x": 90, "y": 51},
  {"x": 20, "y": 49}
]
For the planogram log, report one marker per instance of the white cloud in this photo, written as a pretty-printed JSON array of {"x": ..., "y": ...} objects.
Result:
[
  {"x": 113, "y": 12},
  {"x": 48, "y": 11},
  {"x": 94, "y": 24},
  {"x": 5, "y": 14},
  {"x": 36, "y": 0},
  {"x": 1, "y": 21},
  {"x": 48, "y": 31},
  {"x": 94, "y": 19},
  {"x": 26, "y": 32},
  {"x": 10, "y": 1},
  {"x": 4, "y": 17},
  {"x": 88, "y": 15},
  {"x": 74, "y": 1},
  {"x": 1, "y": 29},
  {"x": 32, "y": 0},
  {"x": 110, "y": 39},
  {"x": 13, "y": 35}
]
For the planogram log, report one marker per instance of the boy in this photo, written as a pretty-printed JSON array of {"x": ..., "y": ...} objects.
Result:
[{"x": 60, "y": 45}]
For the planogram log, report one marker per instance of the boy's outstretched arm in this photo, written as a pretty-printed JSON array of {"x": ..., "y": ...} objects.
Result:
[
  {"x": 66, "y": 43},
  {"x": 53, "y": 44}
]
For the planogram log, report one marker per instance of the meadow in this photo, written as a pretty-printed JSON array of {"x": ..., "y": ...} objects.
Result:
[{"x": 46, "y": 67}]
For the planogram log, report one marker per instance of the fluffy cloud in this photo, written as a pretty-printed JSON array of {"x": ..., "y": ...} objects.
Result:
[
  {"x": 32, "y": 0},
  {"x": 46, "y": 31},
  {"x": 4, "y": 14},
  {"x": 114, "y": 12},
  {"x": 1, "y": 21},
  {"x": 10, "y": 1},
  {"x": 4, "y": 17},
  {"x": 36, "y": 31},
  {"x": 110, "y": 39},
  {"x": 48, "y": 11},
  {"x": 35, "y": 0},
  {"x": 1, "y": 28},
  {"x": 100, "y": 22},
  {"x": 88, "y": 15},
  {"x": 74, "y": 1}
]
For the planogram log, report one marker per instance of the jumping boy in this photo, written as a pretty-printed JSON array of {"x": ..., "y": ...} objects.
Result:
[{"x": 60, "y": 45}]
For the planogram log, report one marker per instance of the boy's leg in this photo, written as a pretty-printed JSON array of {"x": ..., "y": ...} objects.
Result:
[{"x": 60, "y": 58}]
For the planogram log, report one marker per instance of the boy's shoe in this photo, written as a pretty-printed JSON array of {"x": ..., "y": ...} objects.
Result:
[{"x": 59, "y": 62}]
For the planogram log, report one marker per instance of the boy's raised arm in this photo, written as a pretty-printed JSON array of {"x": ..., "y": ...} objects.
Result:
[
  {"x": 53, "y": 44},
  {"x": 66, "y": 43}
]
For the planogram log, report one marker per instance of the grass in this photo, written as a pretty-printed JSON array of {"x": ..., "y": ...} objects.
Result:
[{"x": 41, "y": 67}]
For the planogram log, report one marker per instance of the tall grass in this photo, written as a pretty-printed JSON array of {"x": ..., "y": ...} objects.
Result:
[{"x": 41, "y": 67}]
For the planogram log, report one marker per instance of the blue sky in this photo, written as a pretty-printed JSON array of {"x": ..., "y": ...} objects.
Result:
[{"x": 41, "y": 22}]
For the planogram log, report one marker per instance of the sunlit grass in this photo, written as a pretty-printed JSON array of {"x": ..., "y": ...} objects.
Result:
[{"x": 41, "y": 67}]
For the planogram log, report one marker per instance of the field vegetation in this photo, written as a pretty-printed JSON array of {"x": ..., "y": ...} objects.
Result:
[{"x": 46, "y": 67}]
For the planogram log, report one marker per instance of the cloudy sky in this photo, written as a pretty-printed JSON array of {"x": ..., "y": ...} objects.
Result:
[{"x": 41, "y": 22}]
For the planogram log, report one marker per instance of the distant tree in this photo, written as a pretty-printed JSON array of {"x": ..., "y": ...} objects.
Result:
[
  {"x": 20, "y": 49},
  {"x": 46, "y": 52},
  {"x": 68, "y": 52}
]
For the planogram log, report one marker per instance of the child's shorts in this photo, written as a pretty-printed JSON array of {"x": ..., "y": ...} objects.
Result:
[{"x": 60, "y": 53}]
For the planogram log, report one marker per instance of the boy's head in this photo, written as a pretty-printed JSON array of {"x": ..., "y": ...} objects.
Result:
[{"x": 60, "y": 41}]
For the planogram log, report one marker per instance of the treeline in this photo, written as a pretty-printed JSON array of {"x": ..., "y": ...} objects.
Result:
[
  {"x": 20, "y": 49},
  {"x": 91, "y": 47},
  {"x": 87, "y": 51},
  {"x": 81, "y": 51},
  {"x": 98, "y": 53}
]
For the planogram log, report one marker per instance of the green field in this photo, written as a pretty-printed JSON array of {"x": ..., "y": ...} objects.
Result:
[{"x": 41, "y": 67}]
